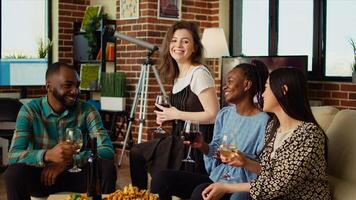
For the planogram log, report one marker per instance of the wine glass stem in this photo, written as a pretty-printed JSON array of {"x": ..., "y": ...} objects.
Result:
[
  {"x": 189, "y": 150},
  {"x": 74, "y": 161}
]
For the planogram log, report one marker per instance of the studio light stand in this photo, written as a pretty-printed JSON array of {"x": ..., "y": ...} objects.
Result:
[{"x": 141, "y": 88}]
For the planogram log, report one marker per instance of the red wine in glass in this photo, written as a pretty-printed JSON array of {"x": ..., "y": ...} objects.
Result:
[
  {"x": 166, "y": 105},
  {"x": 190, "y": 133},
  {"x": 191, "y": 136}
]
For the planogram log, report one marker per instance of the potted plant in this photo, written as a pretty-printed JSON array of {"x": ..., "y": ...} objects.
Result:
[
  {"x": 353, "y": 44},
  {"x": 113, "y": 87},
  {"x": 43, "y": 47},
  {"x": 91, "y": 34}
]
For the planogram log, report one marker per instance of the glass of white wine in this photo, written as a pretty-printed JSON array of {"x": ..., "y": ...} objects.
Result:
[
  {"x": 74, "y": 136},
  {"x": 227, "y": 150}
]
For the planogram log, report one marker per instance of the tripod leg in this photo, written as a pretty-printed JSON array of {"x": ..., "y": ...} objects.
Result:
[
  {"x": 132, "y": 113},
  {"x": 143, "y": 108},
  {"x": 158, "y": 80}
]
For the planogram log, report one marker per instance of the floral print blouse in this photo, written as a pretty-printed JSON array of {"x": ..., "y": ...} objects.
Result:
[{"x": 298, "y": 169}]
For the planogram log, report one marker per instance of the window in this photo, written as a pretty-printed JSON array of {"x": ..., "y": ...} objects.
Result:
[
  {"x": 320, "y": 29},
  {"x": 341, "y": 26},
  {"x": 255, "y": 28},
  {"x": 24, "y": 23},
  {"x": 295, "y": 31}
]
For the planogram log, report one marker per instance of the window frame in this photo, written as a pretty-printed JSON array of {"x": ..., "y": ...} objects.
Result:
[{"x": 319, "y": 36}]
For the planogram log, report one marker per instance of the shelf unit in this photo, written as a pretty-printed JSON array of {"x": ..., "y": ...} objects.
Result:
[
  {"x": 81, "y": 53},
  {"x": 103, "y": 36}
]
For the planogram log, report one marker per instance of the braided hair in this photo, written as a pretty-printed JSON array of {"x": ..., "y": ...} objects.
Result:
[{"x": 257, "y": 73}]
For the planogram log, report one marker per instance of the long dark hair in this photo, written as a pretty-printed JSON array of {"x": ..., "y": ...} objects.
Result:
[
  {"x": 168, "y": 67},
  {"x": 257, "y": 73},
  {"x": 294, "y": 102}
]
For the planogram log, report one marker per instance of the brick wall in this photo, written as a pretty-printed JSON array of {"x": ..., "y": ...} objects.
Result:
[{"x": 339, "y": 94}]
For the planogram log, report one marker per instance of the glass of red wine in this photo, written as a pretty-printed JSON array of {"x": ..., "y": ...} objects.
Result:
[
  {"x": 163, "y": 101},
  {"x": 190, "y": 133}
]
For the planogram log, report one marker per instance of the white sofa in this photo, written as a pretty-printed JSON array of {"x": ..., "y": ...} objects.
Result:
[{"x": 340, "y": 128}]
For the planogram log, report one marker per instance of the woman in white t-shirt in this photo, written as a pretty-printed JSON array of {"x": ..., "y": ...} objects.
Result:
[{"x": 193, "y": 97}]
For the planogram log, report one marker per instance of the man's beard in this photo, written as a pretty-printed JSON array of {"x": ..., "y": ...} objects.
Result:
[{"x": 62, "y": 100}]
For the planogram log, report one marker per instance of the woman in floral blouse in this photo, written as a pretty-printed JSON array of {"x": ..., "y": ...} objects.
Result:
[{"x": 293, "y": 162}]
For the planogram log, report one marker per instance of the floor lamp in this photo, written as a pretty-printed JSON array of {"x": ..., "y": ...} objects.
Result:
[
  {"x": 214, "y": 43},
  {"x": 215, "y": 46}
]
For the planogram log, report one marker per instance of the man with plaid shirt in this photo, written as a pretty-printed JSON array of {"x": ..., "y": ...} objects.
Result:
[{"x": 39, "y": 157}]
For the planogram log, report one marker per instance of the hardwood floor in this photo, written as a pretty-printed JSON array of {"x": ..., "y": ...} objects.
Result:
[{"x": 123, "y": 173}]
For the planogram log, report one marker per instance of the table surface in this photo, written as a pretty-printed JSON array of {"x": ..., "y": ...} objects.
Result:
[{"x": 62, "y": 196}]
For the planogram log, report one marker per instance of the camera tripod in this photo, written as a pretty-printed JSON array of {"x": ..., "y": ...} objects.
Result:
[{"x": 141, "y": 92}]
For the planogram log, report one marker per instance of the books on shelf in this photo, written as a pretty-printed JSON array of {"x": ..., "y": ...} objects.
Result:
[{"x": 110, "y": 52}]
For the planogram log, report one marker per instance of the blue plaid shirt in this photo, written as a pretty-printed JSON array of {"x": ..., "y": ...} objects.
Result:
[{"x": 39, "y": 128}]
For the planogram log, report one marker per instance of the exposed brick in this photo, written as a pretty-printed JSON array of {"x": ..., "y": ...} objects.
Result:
[
  {"x": 352, "y": 95},
  {"x": 331, "y": 102},
  {"x": 339, "y": 95},
  {"x": 201, "y": 17},
  {"x": 330, "y": 86},
  {"x": 348, "y": 87},
  {"x": 323, "y": 94},
  {"x": 348, "y": 103}
]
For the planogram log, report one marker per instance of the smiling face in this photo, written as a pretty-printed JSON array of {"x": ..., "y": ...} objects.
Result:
[
  {"x": 63, "y": 89},
  {"x": 270, "y": 103},
  {"x": 182, "y": 46},
  {"x": 235, "y": 86}
]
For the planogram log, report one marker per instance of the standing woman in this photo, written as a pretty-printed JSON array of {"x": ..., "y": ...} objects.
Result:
[
  {"x": 193, "y": 98},
  {"x": 294, "y": 160}
]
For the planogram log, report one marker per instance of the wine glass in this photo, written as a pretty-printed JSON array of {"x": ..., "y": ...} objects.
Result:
[
  {"x": 227, "y": 150},
  {"x": 74, "y": 136},
  {"x": 163, "y": 101},
  {"x": 190, "y": 133}
]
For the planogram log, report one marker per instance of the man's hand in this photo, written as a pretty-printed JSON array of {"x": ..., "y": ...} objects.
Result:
[
  {"x": 50, "y": 173},
  {"x": 61, "y": 153}
]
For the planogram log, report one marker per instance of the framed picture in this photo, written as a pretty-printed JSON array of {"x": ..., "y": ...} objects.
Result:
[
  {"x": 169, "y": 9},
  {"x": 129, "y": 9},
  {"x": 90, "y": 76}
]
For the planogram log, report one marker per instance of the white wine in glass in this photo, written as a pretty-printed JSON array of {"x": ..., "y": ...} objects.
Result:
[
  {"x": 227, "y": 150},
  {"x": 74, "y": 136}
]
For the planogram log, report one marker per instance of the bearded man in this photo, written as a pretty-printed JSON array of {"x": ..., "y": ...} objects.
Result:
[{"x": 39, "y": 157}]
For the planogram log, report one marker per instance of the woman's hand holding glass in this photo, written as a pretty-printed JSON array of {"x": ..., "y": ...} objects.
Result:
[
  {"x": 227, "y": 151},
  {"x": 160, "y": 103},
  {"x": 166, "y": 114},
  {"x": 237, "y": 159}
]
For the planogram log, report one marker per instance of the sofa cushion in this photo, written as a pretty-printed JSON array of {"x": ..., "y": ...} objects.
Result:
[
  {"x": 324, "y": 115},
  {"x": 342, "y": 146},
  {"x": 342, "y": 190}
]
